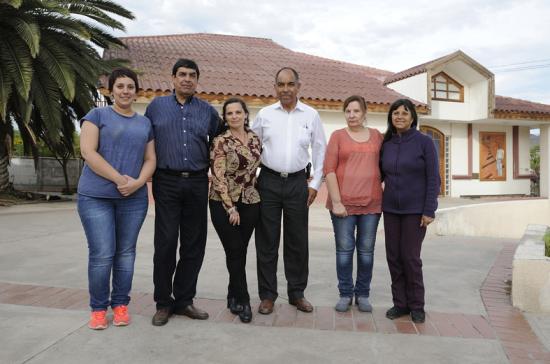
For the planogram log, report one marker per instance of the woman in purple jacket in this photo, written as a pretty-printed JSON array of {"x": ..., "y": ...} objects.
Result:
[{"x": 410, "y": 170}]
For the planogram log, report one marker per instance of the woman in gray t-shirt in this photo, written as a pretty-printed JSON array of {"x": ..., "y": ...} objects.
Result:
[{"x": 118, "y": 147}]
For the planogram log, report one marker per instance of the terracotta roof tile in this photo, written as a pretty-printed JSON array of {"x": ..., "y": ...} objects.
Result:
[
  {"x": 234, "y": 65},
  {"x": 509, "y": 104},
  {"x": 246, "y": 66}
]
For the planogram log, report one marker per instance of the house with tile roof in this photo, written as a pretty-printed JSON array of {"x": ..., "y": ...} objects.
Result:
[{"x": 482, "y": 139}]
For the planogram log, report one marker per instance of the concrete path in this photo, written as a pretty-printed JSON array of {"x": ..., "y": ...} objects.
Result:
[{"x": 43, "y": 245}]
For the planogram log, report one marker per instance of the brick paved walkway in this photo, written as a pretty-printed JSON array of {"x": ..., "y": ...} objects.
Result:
[
  {"x": 516, "y": 336},
  {"x": 285, "y": 315},
  {"x": 503, "y": 322}
]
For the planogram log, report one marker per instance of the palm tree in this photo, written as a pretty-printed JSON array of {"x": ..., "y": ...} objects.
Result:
[{"x": 49, "y": 68}]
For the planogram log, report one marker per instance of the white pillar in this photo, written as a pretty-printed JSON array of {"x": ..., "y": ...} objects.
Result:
[{"x": 544, "y": 161}]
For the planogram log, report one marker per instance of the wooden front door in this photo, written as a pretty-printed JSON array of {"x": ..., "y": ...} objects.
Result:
[{"x": 439, "y": 142}]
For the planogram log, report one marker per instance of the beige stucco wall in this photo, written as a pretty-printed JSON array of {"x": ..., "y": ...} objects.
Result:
[
  {"x": 478, "y": 98},
  {"x": 531, "y": 272},
  {"x": 459, "y": 150},
  {"x": 414, "y": 87},
  {"x": 507, "y": 219}
]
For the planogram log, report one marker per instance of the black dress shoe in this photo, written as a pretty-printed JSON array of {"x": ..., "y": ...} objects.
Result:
[
  {"x": 246, "y": 314},
  {"x": 396, "y": 312},
  {"x": 418, "y": 316},
  {"x": 162, "y": 316},
  {"x": 192, "y": 312},
  {"x": 233, "y": 306}
]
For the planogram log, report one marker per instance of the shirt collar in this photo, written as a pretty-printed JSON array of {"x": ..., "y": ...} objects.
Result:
[
  {"x": 188, "y": 100},
  {"x": 299, "y": 106}
]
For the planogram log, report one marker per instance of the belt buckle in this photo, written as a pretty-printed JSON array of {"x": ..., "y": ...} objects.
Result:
[
  {"x": 184, "y": 174},
  {"x": 284, "y": 175}
]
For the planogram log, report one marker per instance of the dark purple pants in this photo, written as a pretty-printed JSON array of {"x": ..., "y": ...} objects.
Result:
[{"x": 404, "y": 238}]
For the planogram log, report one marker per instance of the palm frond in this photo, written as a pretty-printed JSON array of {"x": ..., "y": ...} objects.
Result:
[
  {"x": 105, "y": 5},
  {"x": 63, "y": 24},
  {"x": 59, "y": 66},
  {"x": 95, "y": 14},
  {"x": 13, "y": 3},
  {"x": 50, "y": 65},
  {"x": 100, "y": 37},
  {"x": 26, "y": 29},
  {"x": 16, "y": 61},
  {"x": 46, "y": 97}
]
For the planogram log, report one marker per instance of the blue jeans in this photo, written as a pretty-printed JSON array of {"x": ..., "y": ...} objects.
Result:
[
  {"x": 346, "y": 242},
  {"x": 112, "y": 227}
]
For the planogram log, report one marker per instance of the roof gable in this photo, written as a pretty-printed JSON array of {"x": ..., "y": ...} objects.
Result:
[{"x": 438, "y": 63}]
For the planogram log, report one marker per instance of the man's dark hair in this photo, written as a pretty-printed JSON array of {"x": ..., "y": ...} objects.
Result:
[
  {"x": 122, "y": 72},
  {"x": 296, "y": 77},
  {"x": 187, "y": 63}
]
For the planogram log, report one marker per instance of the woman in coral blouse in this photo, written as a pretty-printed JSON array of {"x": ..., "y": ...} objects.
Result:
[
  {"x": 234, "y": 199},
  {"x": 355, "y": 198}
]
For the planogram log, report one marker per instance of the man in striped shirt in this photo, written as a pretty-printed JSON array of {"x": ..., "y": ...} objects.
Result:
[{"x": 184, "y": 127}]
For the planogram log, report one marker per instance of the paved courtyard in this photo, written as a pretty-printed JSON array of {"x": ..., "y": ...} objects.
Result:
[{"x": 43, "y": 305}]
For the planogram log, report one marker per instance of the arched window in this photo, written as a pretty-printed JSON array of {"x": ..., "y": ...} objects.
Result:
[{"x": 444, "y": 88}]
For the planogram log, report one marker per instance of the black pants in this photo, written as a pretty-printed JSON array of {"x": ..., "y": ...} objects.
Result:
[
  {"x": 404, "y": 238},
  {"x": 235, "y": 243},
  {"x": 286, "y": 197},
  {"x": 181, "y": 206}
]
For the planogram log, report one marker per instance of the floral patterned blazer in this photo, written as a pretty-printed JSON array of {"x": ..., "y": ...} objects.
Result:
[{"x": 234, "y": 168}]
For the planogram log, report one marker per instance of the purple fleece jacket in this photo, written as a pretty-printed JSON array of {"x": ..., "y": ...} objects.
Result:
[{"x": 410, "y": 170}]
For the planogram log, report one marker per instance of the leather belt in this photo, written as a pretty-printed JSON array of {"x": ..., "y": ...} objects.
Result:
[
  {"x": 184, "y": 174},
  {"x": 283, "y": 174}
]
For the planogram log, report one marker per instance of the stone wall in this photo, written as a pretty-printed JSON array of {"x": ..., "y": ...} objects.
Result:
[{"x": 47, "y": 177}]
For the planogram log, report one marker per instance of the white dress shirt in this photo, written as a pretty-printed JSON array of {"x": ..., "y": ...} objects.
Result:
[{"x": 287, "y": 136}]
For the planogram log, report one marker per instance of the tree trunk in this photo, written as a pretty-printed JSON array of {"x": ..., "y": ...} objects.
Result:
[
  {"x": 5, "y": 142},
  {"x": 4, "y": 175},
  {"x": 67, "y": 190}
]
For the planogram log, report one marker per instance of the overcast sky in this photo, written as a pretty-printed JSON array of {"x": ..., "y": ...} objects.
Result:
[{"x": 391, "y": 35}]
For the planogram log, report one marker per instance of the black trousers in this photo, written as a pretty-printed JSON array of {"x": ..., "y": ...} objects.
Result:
[
  {"x": 286, "y": 198},
  {"x": 235, "y": 243},
  {"x": 181, "y": 205},
  {"x": 404, "y": 238}
]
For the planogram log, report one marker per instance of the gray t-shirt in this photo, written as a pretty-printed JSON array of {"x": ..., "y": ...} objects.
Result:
[{"x": 122, "y": 142}]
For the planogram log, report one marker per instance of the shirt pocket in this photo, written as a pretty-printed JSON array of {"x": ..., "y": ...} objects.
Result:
[
  {"x": 198, "y": 126},
  {"x": 304, "y": 136}
]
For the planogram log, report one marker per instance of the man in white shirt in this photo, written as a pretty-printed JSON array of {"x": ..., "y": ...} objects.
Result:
[{"x": 287, "y": 130}]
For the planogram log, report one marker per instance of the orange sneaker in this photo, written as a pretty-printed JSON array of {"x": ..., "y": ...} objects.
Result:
[
  {"x": 98, "y": 320},
  {"x": 121, "y": 316}
]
